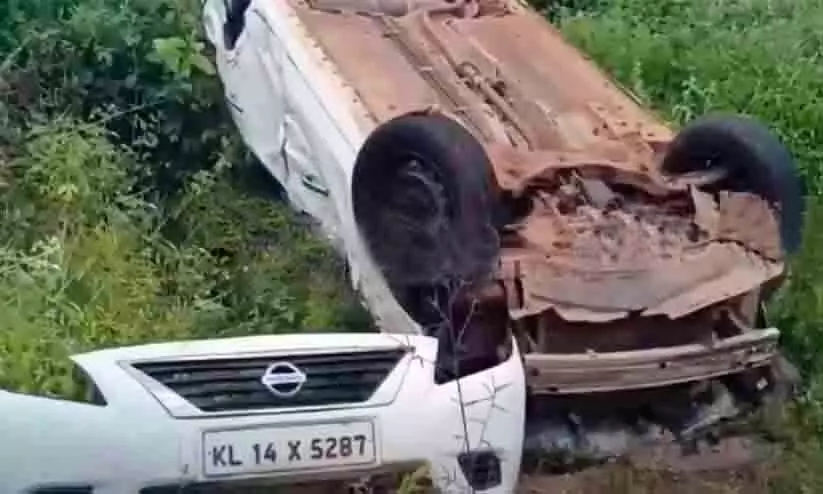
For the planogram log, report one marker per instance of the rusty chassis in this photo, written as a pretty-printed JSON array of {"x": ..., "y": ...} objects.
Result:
[
  {"x": 617, "y": 371},
  {"x": 613, "y": 275}
]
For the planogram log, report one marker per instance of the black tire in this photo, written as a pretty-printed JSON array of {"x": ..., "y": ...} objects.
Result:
[
  {"x": 424, "y": 202},
  {"x": 755, "y": 160}
]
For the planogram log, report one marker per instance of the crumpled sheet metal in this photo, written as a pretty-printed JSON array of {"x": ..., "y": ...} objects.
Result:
[
  {"x": 673, "y": 287},
  {"x": 741, "y": 252},
  {"x": 521, "y": 172},
  {"x": 747, "y": 219},
  {"x": 739, "y": 217},
  {"x": 584, "y": 122}
]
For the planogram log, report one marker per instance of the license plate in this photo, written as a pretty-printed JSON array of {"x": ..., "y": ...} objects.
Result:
[{"x": 284, "y": 448}]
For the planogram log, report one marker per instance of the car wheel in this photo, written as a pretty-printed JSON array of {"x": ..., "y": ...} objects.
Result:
[
  {"x": 424, "y": 202},
  {"x": 754, "y": 160}
]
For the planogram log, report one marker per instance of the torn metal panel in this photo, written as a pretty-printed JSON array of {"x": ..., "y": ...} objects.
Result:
[
  {"x": 673, "y": 286},
  {"x": 600, "y": 236},
  {"x": 605, "y": 257}
]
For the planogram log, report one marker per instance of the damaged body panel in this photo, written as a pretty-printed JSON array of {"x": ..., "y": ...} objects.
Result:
[
  {"x": 619, "y": 256},
  {"x": 555, "y": 128}
]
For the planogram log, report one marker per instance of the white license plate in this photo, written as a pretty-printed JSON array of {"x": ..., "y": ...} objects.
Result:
[{"x": 284, "y": 448}]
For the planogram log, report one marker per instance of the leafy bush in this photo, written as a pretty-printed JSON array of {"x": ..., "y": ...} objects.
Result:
[
  {"x": 757, "y": 57},
  {"x": 121, "y": 220}
]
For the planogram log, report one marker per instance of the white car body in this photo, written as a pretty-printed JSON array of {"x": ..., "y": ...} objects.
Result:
[
  {"x": 292, "y": 110},
  {"x": 148, "y": 439}
]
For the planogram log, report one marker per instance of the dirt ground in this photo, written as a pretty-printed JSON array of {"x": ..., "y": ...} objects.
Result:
[
  {"x": 734, "y": 466},
  {"x": 619, "y": 479}
]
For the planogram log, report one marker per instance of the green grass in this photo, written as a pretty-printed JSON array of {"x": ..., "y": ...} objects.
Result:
[
  {"x": 126, "y": 218},
  {"x": 124, "y": 215},
  {"x": 758, "y": 57}
]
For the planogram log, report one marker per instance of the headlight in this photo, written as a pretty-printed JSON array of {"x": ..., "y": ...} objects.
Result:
[{"x": 474, "y": 340}]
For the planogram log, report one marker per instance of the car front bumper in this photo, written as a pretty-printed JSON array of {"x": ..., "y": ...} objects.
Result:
[
  {"x": 147, "y": 438},
  {"x": 562, "y": 374}
]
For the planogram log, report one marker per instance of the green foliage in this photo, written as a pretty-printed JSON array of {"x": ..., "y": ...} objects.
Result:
[
  {"x": 757, "y": 57},
  {"x": 182, "y": 56},
  {"x": 140, "y": 68},
  {"x": 121, "y": 219},
  {"x": 87, "y": 263}
]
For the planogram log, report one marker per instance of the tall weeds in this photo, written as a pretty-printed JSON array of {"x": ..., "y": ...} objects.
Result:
[{"x": 122, "y": 219}]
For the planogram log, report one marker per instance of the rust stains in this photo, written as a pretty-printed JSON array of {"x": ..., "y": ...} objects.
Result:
[{"x": 605, "y": 235}]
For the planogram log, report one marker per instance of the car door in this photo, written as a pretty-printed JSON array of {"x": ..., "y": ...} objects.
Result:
[
  {"x": 310, "y": 167},
  {"x": 309, "y": 164},
  {"x": 250, "y": 61},
  {"x": 271, "y": 105}
]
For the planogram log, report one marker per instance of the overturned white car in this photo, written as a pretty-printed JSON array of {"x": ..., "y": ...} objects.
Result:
[
  {"x": 314, "y": 413},
  {"x": 484, "y": 180}
]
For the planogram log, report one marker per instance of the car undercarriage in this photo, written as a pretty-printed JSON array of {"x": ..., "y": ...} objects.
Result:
[{"x": 509, "y": 187}]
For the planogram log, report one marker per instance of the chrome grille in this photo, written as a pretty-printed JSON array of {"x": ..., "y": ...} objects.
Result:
[{"x": 233, "y": 384}]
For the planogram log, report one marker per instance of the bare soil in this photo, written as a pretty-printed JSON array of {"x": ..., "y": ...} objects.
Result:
[
  {"x": 736, "y": 465},
  {"x": 619, "y": 479}
]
